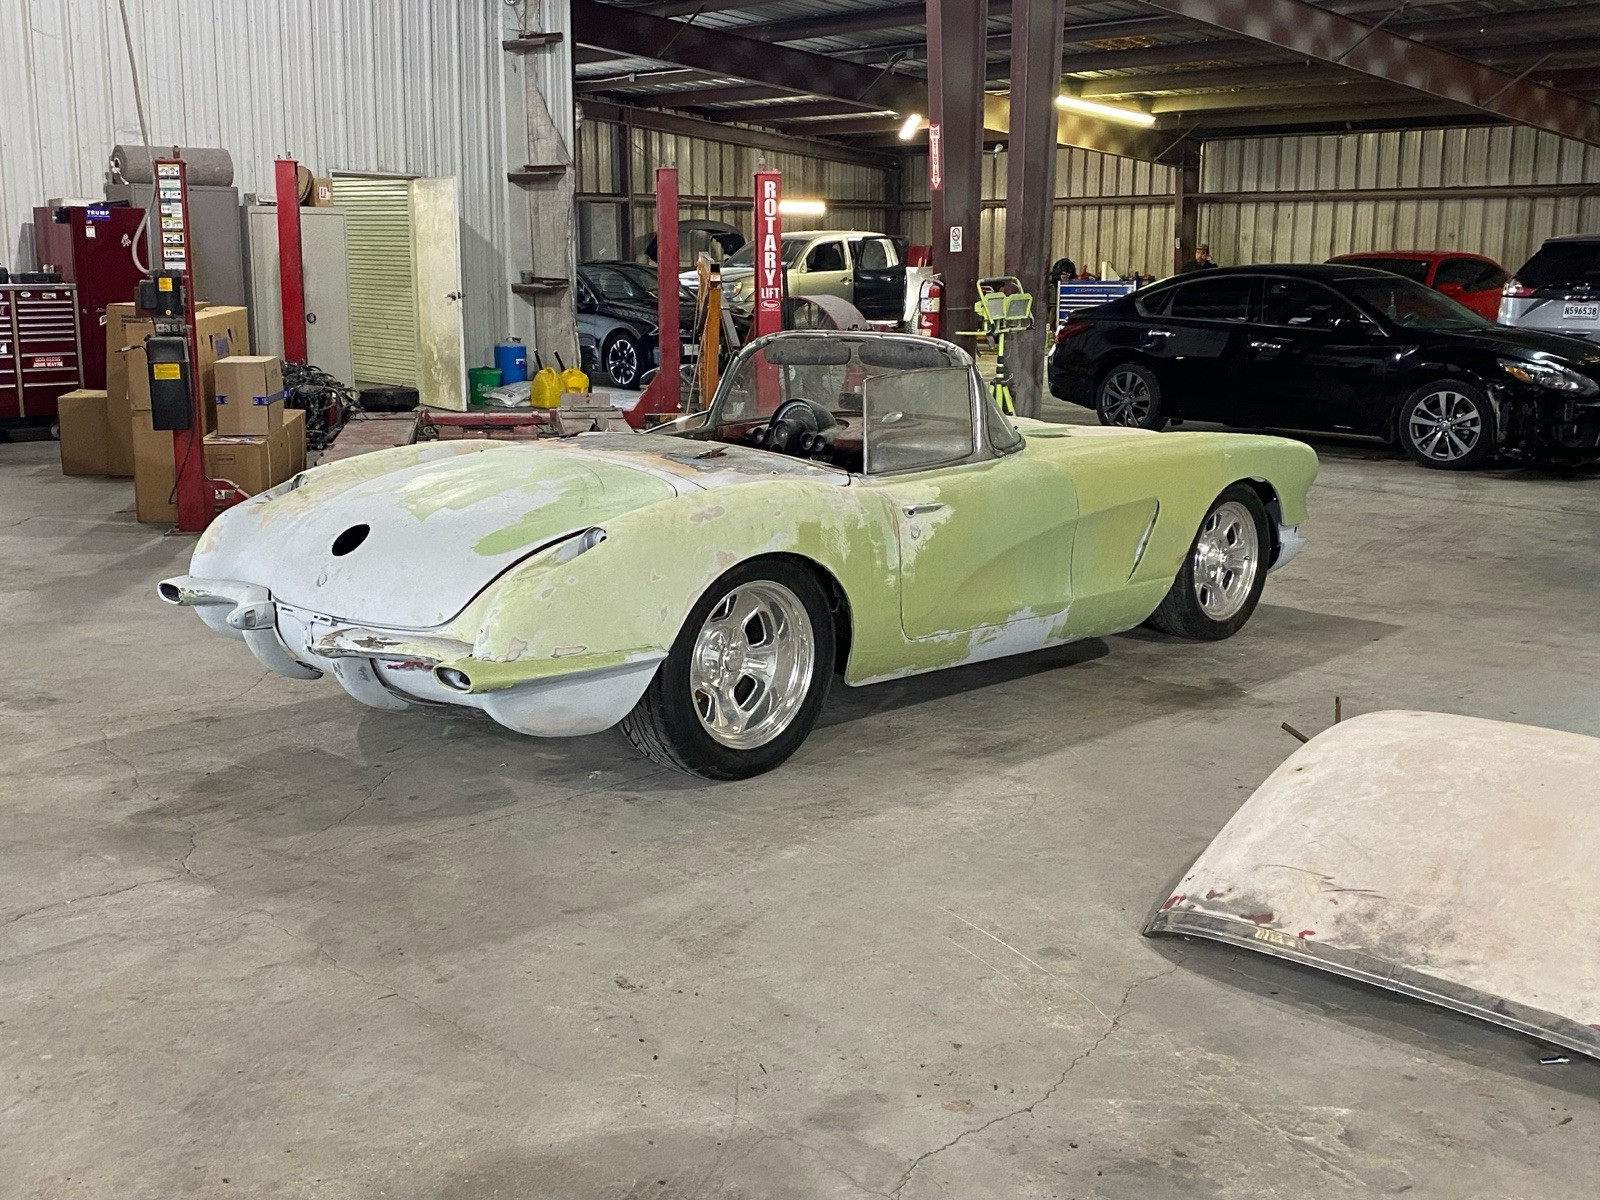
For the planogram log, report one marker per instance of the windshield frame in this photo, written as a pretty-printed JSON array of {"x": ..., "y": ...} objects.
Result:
[{"x": 983, "y": 448}]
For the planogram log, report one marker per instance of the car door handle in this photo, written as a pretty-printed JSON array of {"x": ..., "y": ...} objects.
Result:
[
  {"x": 1158, "y": 333},
  {"x": 1267, "y": 345},
  {"x": 917, "y": 510}
]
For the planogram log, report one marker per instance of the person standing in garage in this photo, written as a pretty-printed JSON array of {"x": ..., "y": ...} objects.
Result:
[{"x": 1202, "y": 260}]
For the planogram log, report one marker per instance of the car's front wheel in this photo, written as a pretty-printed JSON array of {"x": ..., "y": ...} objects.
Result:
[
  {"x": 1129, "y": 394},
  {"x": 746, "y": 676},
  {"x": 1447, "y": 425},
  {"x": 1220, "y": 582},
  {"x": 623, "y": 360}
]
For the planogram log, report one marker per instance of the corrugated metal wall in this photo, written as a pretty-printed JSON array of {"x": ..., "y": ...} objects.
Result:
[
  {"x": 409, "y": 86},
  {"x": 1129, "y": 234},
  {"x": 1507, "y": 228},
  {"x": 714, "y": 180}
]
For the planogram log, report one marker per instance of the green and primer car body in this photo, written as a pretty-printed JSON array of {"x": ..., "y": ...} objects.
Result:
[{"x": 545, "y": 581}]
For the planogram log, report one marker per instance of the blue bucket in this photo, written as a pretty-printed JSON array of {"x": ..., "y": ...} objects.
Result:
[{"x": 512, "y": 359}]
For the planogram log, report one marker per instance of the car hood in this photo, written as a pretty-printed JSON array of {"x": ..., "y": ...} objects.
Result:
[
  {"x": 439, "y": 531},
  {"x": 643, "y": 314},
  {"x": 444, "y": 520},
  {"x": 1506, "y": 339}
]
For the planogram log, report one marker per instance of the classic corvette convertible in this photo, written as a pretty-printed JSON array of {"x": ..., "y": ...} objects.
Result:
[{"x": 850, "y": 503}]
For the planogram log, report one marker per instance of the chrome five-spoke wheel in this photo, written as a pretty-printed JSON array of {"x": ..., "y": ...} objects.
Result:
[
  {"x": 1445, "y": 426},
  {"x": 752, "y": 663},
  {"x": 1227, "y": 556}
]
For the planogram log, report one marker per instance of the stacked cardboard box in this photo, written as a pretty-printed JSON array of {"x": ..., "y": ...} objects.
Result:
[
  {"x": 220, "y": 331},
  {"x": 255, "y": 462},
  {"x": 249, "y": 394}
]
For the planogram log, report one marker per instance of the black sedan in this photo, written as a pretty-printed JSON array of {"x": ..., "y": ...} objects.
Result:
[
  {"x": 616, "y": 305},
  {"x": 1335, "y": 349}
]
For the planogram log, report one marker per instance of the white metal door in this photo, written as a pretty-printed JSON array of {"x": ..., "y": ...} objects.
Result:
[
  {"x": 323, "y": 253},
  {"x": 441, "y": 334}
]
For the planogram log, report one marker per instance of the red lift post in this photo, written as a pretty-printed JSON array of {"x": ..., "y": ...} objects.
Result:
[
  {"x": 663, "y": 394},
  {"x": 192, "y": 494},
  {"x": 769, "y": 254},
  {"x": 291, "y": 271}
]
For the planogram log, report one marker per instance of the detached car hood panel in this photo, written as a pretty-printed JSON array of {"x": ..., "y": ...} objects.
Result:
[{"x": 437, "y": 530}]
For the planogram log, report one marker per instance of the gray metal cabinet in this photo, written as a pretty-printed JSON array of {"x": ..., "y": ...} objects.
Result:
[{"x": 327, "y": 287}]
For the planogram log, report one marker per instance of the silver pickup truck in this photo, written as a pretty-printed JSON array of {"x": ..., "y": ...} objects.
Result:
[{"x": 867, "y": 269}]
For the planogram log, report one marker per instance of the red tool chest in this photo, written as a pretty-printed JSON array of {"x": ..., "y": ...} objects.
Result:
[
  {"x": 92, "y": 247},
  {"x": 40, "y": 358}
]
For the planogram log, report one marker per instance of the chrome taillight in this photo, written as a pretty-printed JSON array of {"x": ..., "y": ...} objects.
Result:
[{"x": 1516, "y": 289}]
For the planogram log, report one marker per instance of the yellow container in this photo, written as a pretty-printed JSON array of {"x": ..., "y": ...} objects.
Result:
[
  {"x": 572, "y": 378},
  {"x": 544, "y": 391}
]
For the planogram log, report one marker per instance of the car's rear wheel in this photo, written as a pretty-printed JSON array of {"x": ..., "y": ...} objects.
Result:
[
  {"x": 1220, "y": 582},
  {"x": 746, "y": 676},
  {"x": 623, "y": 360},
  {"x": 1129, "y": 395},
  {"x": 1447, "y": 425}
]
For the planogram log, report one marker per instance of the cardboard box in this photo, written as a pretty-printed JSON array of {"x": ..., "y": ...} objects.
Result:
[
  {"x": 256, "y": 462},
  {"x": 153, "y": 474},
  {"x": 221, "y": 330},
  {"x": 249, "y": 394},
  {"x": 119, "y": 436},
  {"x": 85, "y": 432}
]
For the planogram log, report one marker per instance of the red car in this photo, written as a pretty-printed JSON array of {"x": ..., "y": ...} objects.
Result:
[{"x": 1468, "y": 279}]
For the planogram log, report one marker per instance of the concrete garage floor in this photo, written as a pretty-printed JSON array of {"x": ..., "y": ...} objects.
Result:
[{"x": 260, "y": 941}]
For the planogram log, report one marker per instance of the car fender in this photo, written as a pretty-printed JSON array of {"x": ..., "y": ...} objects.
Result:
[{"x": 626, "y": 597}]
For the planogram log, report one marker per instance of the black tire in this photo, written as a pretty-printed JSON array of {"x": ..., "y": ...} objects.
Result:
[
  {"x": 623, "y": 360},
  {"x": 1183, "y": 611},
  {"x": 666, "y": 725},
  {"x": 1447, "y": 425},
  {"x": 1129, "y": 394}
]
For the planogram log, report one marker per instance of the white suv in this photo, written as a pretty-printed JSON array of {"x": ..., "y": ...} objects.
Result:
[{"x": 1558, "y": 289}]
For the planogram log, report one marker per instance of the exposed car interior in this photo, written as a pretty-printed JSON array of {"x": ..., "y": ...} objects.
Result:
[{"x": 866, "y": 404}]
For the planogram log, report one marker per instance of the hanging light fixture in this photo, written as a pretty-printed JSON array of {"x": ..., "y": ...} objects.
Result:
[{"x": 1109, "y": 112}]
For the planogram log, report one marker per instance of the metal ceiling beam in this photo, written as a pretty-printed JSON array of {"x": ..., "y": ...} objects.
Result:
[
  {"x": 1419, "y": 112},
  {"x": 653, "y": 37},
  {"x": 693, "y": 8},
  {"x": 694, "y": 98},
  {"x": 645, "y": 118},
  {"x": 798, "y": 110},
  {"x": 1523, "y": 21},
  {"x": 1209, "y": 77},
  {"x": 1302, "y": 28},
  {"x": 1157, "y": 56},
  {"x": 1073, "y": 34},
  {"x": 1287, "y": 97}
]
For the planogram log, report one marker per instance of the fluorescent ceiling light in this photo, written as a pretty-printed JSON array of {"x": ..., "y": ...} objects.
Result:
[
  {"x": 802, "y": 208},
  {"x": 1129, "y": 116},
  {"x": 908, "y": 130}
]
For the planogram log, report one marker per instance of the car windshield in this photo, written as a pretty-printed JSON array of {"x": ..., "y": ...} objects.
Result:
[
  {"x": 1410, "y": 305},
  {"x": 612, "y": 283},
  {"x": 1412, "y": 268},
  {"x": 1563, "y": 263},
  {"x": 858, "y": 402},
  {"x": 745, "y": 255}
]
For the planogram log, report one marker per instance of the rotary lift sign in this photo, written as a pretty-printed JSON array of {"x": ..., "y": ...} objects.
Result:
[{"x": 769, "y": 255}]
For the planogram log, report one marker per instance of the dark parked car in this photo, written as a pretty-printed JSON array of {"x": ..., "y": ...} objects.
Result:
[
  {"x": 1332, "y": 349},
  {"x": 616, "y": 305}
]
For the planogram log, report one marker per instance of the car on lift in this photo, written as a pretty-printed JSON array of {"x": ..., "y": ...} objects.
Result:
[
  {"x": 1558, "y": 289},
  {"x": 850, "y": 503},
  {"x": 1469, "y": 279},
  {"x": 616, "y": 317},
  {"x": 866, "y": 269},
  {"x": 1332, "y": 349}
]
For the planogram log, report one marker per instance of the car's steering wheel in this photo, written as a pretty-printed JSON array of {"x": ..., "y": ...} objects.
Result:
[{"x": 794, "y": 426}]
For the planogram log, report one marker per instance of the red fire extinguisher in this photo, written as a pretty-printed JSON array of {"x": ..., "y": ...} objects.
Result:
[{"x": 929, "y": 302}]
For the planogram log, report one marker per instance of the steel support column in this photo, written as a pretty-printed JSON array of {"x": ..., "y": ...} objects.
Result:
[
  {"x": 1185, "y": 204},
  {"x": 1031, "y": 183},
  {"x": 956, "y": 61}
]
